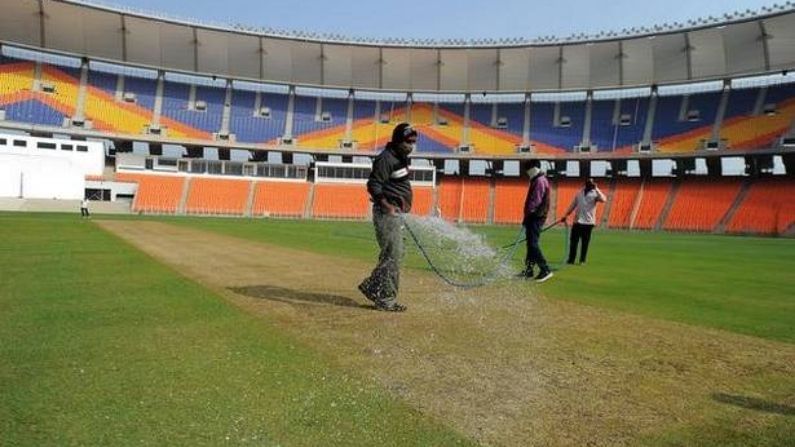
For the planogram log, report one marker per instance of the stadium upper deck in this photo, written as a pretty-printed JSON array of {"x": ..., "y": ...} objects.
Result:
[{"x": 668, "y": 90}]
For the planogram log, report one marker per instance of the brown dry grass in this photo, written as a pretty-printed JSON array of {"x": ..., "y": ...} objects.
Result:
[{"x": 499, "y": 364}]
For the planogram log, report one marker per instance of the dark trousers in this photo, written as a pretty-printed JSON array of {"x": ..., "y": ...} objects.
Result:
[
  {"x": 84, "y": 212},
  {"x": 579, "y": 232},
  {"x": 532, "y": 228}
]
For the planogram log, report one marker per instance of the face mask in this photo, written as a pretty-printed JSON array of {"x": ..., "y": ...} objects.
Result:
[
  {"x": 532, "y": 172},
  {"x": 406, "y": 148}
]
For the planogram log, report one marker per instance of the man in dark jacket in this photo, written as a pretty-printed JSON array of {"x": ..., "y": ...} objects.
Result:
[
  {"x": 390, "y": 192},
  {"x": 536, "y": 208}
]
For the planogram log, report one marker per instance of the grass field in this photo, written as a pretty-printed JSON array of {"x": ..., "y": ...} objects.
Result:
[{"x": 103, "y": 344}]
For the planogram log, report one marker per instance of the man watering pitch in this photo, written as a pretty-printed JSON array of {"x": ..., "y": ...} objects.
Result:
[{"x": 390, "y": 192}]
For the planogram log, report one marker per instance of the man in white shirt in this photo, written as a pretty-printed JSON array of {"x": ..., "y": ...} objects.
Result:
[
  {"x": 585, "y": 204},
  {"x": 84, "y": 208}
]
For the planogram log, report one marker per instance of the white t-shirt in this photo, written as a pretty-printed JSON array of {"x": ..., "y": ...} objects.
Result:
[
  {"x": 84, "y": 204},
  {"x": 586, "y": 207}
]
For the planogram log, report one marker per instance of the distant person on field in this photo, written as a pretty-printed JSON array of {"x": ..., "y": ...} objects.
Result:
[
  {"x": 585, "y": 204},
  {"x": 536, "y": 208},
  {"x": 84, "y": 208},
  {"x": 390, "y": 192}
]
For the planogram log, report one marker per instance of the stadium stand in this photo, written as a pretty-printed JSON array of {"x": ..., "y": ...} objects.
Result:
[
  {"x": 475, "y": 200},
  {"x": 176, "y": 106},
  {"x": 609, "y": 134},
  {"x": 509, "y": 195},
  {"x": 674, "y": 131},
  {"x": 558, "y": 135},
  {"x": 653, "y": 196},
  {"x": 249, "y": 125},
  {"x": 156, "y": 193},
  {"x": 422, "y": 201},
  {"x": 280, "y": 199},
  {"x": 767, "y": 208},
  {"x": 450, "y": 197},
  {"x": 700, "y": 203},
  {"x": 623, "y": 203},
  {"x": 333, "y": 201},
  {"x": 217, "y": 196}
]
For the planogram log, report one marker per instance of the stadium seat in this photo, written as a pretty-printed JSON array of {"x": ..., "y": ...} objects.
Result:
[
  {"x": 654, "y": 193},
  {"x": 217, "y": 196},
  {"x": 766, "y": 209},
  {"x": 280, "y": 199},
  {"x": 340, "y": 201},
  {"x": 156, "y": 193},
  {"x": 701, "y": 203}
]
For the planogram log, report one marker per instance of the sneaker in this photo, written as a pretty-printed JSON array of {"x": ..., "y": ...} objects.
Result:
[
  {"x": 543, "y": 276},
  {"x": 366, "y": 292},
  {"x": 527, "y": 273},
  {"x": 394, "y": 307}
]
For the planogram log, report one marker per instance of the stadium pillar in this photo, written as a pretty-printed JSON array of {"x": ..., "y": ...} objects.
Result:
[
  {"x": 194, "y": 151},
  {"x": 645, "y": 167},
  {"x": 258, "y": 156},
  {"x": 224, "y": 154},
  {"x": 714, "y": 166},
  {"x": 463, "y": 167},
  {"x": 155, "y": 149},
  {"x": 287, "y": 158},
  {"x": 585, "y": 168}
]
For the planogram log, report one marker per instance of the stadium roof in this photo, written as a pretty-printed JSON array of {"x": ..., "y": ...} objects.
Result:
[{"x": 740, "y": 44}]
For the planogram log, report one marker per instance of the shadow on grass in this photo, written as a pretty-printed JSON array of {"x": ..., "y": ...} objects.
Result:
[
  {"x": 752, "y": 403},
  {"x": 291, "y": 296}
]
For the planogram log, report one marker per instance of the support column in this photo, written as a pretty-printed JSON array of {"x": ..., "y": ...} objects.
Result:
[
  {"x": 158, "y": 109},
  {"x": 349, "y": 119},
  {"x": 227, "y": 109},
  {"x": 120, "y": 88},
  {"x": 80, "y": 107},
  {"x": 721, "y": 113},
  {"x": 648, "y": 131},
  {"x": 586, "y": 128},
  {"x": 288, "y": 121},
  {"x": 527, "y": 121},
  {"x": 465, "y": 129}
]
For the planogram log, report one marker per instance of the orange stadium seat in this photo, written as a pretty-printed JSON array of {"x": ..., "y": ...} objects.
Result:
[
  {"x": 340, "y": 201},
  {"x": 654, "y": 195},
  {"x": 701, "y": 203},
  {"x": 622, "y": 203},
  {"x": 217, "y": 196},
  {"x": 156, "y": 193},
  {"x": 283, "y": 199},
  {"x": 475, "y": 204},
  {"x": 450, "y": 197},
  {"x": 422, "y": 201},
  {"x": 509, "y": 197},
  {"x": 766, "y": 209}
]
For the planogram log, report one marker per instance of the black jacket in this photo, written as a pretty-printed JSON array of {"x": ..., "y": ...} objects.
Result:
[{"x": 390, "y": 179}]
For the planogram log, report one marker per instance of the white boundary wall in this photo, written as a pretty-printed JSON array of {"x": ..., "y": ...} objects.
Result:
[{"x": 45, "y": 168}]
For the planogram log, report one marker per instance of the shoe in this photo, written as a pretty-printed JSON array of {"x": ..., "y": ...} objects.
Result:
[
  {"x": 366, "y": 293},
  {"x": 527, "y": 273},
  {"x": 543, "y": 276},
  {"x": 394, "y": 307}
]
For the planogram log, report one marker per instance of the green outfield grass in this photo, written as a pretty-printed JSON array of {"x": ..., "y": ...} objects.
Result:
[
  {"x": 101, "y": 345},
  {"x": 740, "y": 284}
]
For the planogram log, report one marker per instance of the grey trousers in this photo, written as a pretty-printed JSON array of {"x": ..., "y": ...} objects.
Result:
[{"x": 383, "y": 283}]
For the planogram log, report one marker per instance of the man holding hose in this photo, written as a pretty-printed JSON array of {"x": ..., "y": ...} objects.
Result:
[{"x": 390, "y": 192}]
